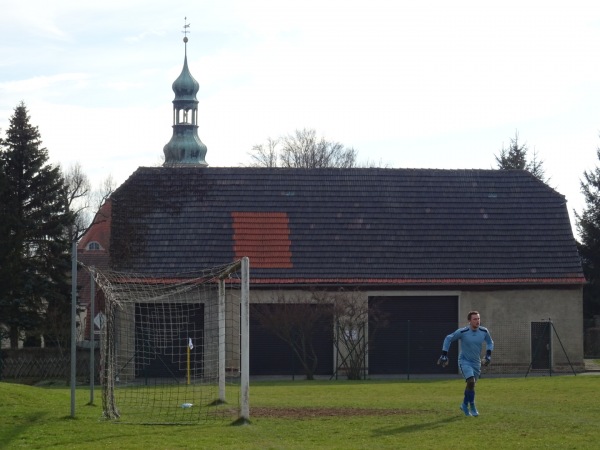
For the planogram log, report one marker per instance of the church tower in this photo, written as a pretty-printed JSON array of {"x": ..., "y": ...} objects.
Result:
[{"x": 185, "y": 147}]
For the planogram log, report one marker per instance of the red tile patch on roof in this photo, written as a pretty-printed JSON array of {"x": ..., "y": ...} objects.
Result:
[
  {"x": 99, "y": 230},
  {"x": 264, "y": 237}
]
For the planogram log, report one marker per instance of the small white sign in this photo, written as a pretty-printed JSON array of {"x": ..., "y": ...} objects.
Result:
[{"x": 99, "y": 320}]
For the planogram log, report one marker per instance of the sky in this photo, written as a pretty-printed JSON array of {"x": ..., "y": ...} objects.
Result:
[{"x": 408, "y": 84}]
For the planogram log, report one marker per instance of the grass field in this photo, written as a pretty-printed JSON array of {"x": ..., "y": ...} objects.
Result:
[{"x": 561, "y": 412}]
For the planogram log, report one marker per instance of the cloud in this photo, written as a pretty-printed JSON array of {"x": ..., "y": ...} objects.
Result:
[
  {"x": 145, "y": 34},
  {"x": 435, "y": 84},
  {"x": 45, "y": 83}
]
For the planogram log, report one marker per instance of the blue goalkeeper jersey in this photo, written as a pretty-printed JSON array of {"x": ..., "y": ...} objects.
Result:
[{"x": 471, "y": 342}]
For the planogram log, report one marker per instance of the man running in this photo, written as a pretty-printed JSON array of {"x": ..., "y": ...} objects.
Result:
[{"x": 472, "y": 338}]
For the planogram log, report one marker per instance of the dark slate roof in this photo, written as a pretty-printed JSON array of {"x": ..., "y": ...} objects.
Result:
[{"x": 363, "y": 226}]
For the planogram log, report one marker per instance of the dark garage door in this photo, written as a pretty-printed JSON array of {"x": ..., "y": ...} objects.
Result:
[
  {"x": 270, "y": 355},
  {"x": 161, "y": 346},
  {"x": 540, "y": 345},
  {"x": 411, "y": 341}
]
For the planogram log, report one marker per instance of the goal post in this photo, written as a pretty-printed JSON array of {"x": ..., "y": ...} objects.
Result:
[
  {"x": 173, "y": 345},
  {"x": 245, "y": 341}
]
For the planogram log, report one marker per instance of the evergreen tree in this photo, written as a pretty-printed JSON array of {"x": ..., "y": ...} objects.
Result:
[
  {"x": 4, "y": 242},
  {"x": 588, "y": 225},
  {"x": 536, "y": 167},
  {"x": 515, "y": 157},
  {"x": 35, "y": 260}
]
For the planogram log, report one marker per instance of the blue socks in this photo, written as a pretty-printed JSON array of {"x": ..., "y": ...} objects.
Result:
[{"x": 469, "y": 396}]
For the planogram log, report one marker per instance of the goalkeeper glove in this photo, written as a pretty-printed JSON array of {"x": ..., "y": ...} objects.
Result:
[
  {"x": 488, "y": 358},
  {"x": 443, "y": 361}
]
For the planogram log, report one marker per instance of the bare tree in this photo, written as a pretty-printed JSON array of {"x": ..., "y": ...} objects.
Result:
[
  {"x": 303, "y": 149},
  {"x": 299, "y": 322},
  {"x": 265, "y": 155},
  {"x": 371, "y": 164},
  {"x": 82, "y": 200},
  {"x": 357, "y": 324},
  {"x": 78, "y": 191},
  {"x": 103, "y": 192}
]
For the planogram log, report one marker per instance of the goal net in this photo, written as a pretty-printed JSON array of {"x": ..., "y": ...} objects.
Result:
[{"x": 175, "y": 348}]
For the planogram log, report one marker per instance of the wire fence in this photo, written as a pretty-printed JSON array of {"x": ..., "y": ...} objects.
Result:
[
  {"x": 401, "y": 349},
  {"x": 407, "y": 348},
  {"x": 592, "y": 337},
  {"x": 413, "y": 348},
  {"x": 44, "y": 364}
]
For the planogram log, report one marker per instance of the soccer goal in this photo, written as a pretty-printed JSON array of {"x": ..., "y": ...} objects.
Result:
[{"x": 175, "y": 348}]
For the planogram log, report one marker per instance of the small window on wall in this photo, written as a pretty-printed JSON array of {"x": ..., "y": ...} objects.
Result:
[{"x": 93, "y": 246}]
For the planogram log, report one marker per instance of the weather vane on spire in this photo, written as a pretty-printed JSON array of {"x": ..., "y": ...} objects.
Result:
[{"x": 185, "y": 29}]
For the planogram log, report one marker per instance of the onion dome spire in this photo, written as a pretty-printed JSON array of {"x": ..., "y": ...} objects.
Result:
[{"x": 185, "y": 147}]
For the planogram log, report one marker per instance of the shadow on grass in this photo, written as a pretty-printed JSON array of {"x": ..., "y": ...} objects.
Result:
[
  {"x": 29, "y": 421},
  {"x": 386, "y": 431}
]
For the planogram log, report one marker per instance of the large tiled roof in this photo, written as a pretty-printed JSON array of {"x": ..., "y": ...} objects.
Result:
[{"x": 363, "y": 226}]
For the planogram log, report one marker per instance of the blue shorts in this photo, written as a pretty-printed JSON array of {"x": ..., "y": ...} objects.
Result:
[{"x": 470, "y": 369}]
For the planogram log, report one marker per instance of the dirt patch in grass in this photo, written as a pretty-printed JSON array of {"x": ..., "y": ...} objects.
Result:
[{"x": 308, "y": 413}]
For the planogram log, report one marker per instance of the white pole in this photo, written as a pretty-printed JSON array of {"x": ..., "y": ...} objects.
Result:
[
  {"x": 92, "y": 340},
  {"x": 73, "y": 322},
  {"x": 551, "y": 349},
  {"x": 221, "y": 320},
  {"x": 245, "y": 340}
]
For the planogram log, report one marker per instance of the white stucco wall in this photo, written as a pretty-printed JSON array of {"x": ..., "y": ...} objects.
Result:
[{"x": 509, "y": 314}]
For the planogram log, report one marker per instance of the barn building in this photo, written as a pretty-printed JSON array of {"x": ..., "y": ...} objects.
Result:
[{"x": 421, "y": 247}]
